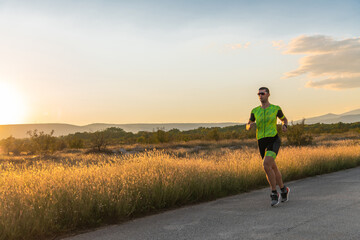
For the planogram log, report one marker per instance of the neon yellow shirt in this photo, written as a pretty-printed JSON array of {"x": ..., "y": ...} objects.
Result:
[{"x": 266, "y": 120}]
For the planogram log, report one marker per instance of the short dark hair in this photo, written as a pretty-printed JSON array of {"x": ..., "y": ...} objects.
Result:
[{"x": 265, "y": 88}]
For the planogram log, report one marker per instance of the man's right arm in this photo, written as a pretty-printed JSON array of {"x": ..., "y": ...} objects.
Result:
[
  {"x": 250, "y": 125},
  {"x": 251, "y": 122}
]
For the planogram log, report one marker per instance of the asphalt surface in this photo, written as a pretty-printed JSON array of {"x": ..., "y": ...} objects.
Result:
[{"x": 321, "y": 207}]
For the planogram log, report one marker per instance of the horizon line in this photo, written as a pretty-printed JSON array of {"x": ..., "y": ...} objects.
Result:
[{"x": 118, "y": 123}]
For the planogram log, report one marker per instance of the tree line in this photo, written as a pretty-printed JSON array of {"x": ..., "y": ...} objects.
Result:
[{"x": 40, "y": 142}]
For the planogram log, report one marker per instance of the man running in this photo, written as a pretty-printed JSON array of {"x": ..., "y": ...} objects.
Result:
[{"x": 269, "y": 142}]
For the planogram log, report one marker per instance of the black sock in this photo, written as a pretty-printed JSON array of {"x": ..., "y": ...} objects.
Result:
[
  {"x": 283, "y": 189},
  {"x": 274, "y": 191}
]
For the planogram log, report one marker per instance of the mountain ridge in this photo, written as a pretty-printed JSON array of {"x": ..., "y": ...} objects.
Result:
[{"x": 347, "y": 117}]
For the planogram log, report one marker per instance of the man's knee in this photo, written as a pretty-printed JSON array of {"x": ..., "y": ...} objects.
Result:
[{"x": 268, "y": 162}]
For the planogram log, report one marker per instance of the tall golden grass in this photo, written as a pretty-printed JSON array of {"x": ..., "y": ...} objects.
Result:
[{"x": 43, "y": 199}]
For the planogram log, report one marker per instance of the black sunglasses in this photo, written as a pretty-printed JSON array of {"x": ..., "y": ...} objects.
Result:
[{"x": 261, "y": 93}]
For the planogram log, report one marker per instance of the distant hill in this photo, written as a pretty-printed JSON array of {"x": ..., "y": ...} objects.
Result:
[
  {"x": 347, "y": 117},
  {"x": 20, "y": 130}
]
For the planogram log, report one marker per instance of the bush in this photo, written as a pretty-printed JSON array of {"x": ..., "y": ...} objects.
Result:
[
  {"x": 214, "y": 134},
  {"x": 162, "y": 136},
  {"x": 296, "y": 135},
  {"x": 100, "y": 140},
  {"x": 75, "y": 142},
  {"x": 41, "y": 142},
  {"x": 13, "y": 145}
]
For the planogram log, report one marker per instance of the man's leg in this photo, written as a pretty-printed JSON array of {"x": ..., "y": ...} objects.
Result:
[
  {"x": 278, "y": 175},
  {"x": 270, "y": 173},
  {"x": 284, "y": 190}
]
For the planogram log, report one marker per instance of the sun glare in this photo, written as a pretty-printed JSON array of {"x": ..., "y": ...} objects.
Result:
[{"x": 11, "y": 105}]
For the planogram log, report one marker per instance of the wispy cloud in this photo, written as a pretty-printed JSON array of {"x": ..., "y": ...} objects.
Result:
[
  {"x": 227, "y": 48},
  {"x": 337, "y": 61},
  {"x": 235, "y": 46},
  {"x": 335, "y": 83},
  {"x": 279, "y": 44}
]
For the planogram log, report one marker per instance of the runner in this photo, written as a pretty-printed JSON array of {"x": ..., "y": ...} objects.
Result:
[{"x": 269, "y": 142}]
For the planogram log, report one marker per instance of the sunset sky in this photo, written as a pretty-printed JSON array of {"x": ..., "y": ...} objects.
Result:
[{"x": 82, "y": 62}]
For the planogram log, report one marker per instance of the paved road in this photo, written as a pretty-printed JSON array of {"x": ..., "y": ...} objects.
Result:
[{"x": 321, "y": 207}]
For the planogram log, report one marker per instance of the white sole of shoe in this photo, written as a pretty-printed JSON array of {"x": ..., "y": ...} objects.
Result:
[{"x": 277, "y": 201}]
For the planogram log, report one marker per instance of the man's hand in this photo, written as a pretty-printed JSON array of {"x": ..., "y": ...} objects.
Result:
[
  {"x": 284, "y": 124},
  {"x": 284, "y": 128},
  {"x": 250, "y": 125}
]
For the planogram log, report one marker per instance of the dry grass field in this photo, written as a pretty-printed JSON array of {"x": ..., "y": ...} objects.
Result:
[{"x": 42, "y": 197}]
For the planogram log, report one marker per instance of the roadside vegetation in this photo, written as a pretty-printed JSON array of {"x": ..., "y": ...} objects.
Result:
[{"x": 51, "y": 192}]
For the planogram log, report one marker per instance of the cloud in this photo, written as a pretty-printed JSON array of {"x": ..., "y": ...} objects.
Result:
[
  {"x": 335, "y": 83},
  {"x": 321, "y": 44},
  {"x": 338, "y": 61},
  {"x": 278, "y": 44},
  {"x": 227, "y": 48},
  {"x": 246, "y": 45},
  {"x": 237, "y": 45}
]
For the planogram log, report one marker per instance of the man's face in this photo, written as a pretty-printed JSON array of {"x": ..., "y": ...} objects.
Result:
[{"x": 263, "y": 95}]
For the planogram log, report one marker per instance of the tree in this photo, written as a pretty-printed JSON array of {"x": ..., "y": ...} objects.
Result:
[
  {"x": 296, "y": 135},
  {"x": 100, "y": 140},
  {"x": 75, "y": 142},
  {"x": 214, "y": 134},
  {"x": 41, "y": 142},
  {"x": 162, "y": 136},
  {"x": 11, "y": 145}
]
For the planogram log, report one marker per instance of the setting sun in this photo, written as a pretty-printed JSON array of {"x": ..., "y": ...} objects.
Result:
[{"x": 11, "y": 105}]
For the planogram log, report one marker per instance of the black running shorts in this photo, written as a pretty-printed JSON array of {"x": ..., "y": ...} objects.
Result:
[{"x": 269, "y": 146}]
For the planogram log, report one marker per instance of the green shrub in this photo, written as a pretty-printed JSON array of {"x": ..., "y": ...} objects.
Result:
[
  {"x": 296, "y": 135},
  {"x": 162, "y": 136},
  {"x": 75, "y": 142},
  {"x": 100, "y": 140},
  {"x": 13, "y": 145},
  {"x": 214, "y": 134},
  {"x": 41, "y": 142}
]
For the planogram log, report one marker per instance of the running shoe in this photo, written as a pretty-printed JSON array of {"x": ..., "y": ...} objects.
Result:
[
  {"x": 285, "y": 195},
  {"x": 274, "y": 199}
]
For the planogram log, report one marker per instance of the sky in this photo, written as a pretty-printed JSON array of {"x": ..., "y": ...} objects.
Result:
[{"x": 83, "y": 62}]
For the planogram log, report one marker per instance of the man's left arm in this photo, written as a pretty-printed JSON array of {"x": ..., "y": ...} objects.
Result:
[{"x": 283, "y": 119}]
